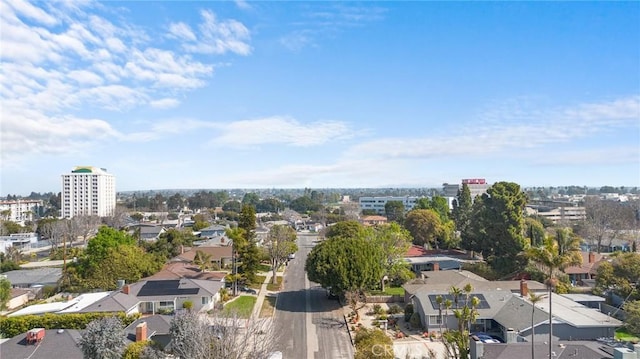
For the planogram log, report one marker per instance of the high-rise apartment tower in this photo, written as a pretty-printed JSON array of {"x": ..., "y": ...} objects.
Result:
[{"x": 88, "y": 191}]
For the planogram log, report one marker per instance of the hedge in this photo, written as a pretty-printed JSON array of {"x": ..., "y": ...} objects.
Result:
[{"x": 12, "y": 326}]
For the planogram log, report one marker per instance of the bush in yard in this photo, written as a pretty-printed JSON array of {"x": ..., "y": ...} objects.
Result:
[
  {"x": 415, "y": 320},
  {"x": 408, "y": 311},
  {"x": 187, "y": 304},
  {"x": 394, "y": 309}
]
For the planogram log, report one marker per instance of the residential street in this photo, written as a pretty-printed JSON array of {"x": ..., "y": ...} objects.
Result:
[{"x": 311, "y": 326}]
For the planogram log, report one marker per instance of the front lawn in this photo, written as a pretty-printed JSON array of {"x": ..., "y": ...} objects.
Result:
[
  {"x": 268, "y": 307},
  {"x": 264, "y": 267},
  {"x": 276, "y": 286},
  {"x": 389, "y": 291},
  {"x": 258, "y": 283},
  {"x": 243, "y": 306},
  {"x": 622, "y": 334}
]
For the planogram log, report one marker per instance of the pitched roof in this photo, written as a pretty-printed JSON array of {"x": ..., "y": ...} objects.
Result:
[
  {"x": 29, "y": 277},
  {"x": 216, "y": 253},
  {"x": 516, "y": 314},
  {"x": 563, "y": 350},
  {"x": 62, "y": 343},
  {"x": 177, "y": 270},
  {"x": 587, "y": 266},
  {"x": 442, "y": 281},
  {"x": 156, "y": 325}
]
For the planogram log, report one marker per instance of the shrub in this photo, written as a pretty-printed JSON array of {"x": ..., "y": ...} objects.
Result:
[
  {"x": 187, "y": 304},
  {"x": 415, "y": 320},
  {"x": 12, "y": 326},
  {"x": 394, "y": 309},
  {"x": 408, "y": 311},
  {"x": 377, "y": 309}
]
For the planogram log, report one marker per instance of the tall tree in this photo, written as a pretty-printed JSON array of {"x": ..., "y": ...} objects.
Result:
[
  {"x": 280, "y": 243},
  {"x": 425, "y": 226},
  {"x": 103, "y": 339},
  {"x": 394, "y": 241},
  {"x": 247, "y": 250},
  {"x": 605, "y": 220},
  {"x": 534, "y": 231},
  {"x": 554, "y": 257},
  {"x": 344, "y": 264},
  {"x": 394, "y": 210},
  {"x": 461, "y": 212},
  {"x": 501, "y": 226}
]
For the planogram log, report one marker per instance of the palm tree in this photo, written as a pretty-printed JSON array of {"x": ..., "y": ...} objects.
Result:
[
  {"x": 555, "y": 255},
  {"x": 534, "y": 299},
  {"x": 203, "y": 260}
]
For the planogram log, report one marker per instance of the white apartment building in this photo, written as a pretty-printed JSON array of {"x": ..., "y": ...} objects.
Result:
[
  {"x": 20, "y": 210},
  {"x": 88, "y": 191},
  {"x": 378, "y": 203}
]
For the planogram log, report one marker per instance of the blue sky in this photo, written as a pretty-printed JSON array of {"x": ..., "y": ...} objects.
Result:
[{"x": 211, "y": 94}]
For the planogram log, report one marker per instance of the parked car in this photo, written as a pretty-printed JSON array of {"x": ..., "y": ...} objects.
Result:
[
  {"x": 292, "y": 256},
  {"x": 248, "y": 290},
  {"x": 486, "y": 338}
]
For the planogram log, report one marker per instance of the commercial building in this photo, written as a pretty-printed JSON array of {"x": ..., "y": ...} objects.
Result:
[
  {"x": 88, "y": 191},
  {"x": 20, "y": 210},
  {"x": 377, "y": 203}
]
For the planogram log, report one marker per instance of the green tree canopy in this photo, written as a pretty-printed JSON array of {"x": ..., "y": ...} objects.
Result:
[
  {"x": 394, "y": 210},
  {"x": 499, "y": 226},
  {"x": 346, "y": 229},
  {"x": 373, "y": 343},
  {"x": 106, "y": 238},
  {"x": 345, "y": 264},
  {"x": 425, "y": 227},
  {"x": 5, "y": 293},
  {"x": 394, "y": 241},
  {"x": 280, "y": 243},
  {"x": 621, "y": 274},
  {"x": 461, "y": 213}
]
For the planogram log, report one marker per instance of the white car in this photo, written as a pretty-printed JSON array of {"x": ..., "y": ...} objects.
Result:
[{"x": 292, "y": 256}]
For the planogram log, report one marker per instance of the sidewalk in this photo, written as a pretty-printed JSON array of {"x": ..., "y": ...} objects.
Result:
[{"x": 261, "y": 294}]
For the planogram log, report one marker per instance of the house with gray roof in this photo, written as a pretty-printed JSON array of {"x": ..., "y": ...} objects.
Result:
[
  {"x": 37, "y": 277},
  {"x": 56, "y": 343},
  {"x": 212, "y": 231},
  {"x": 505, "y": 310},
  {"x": 155, "y": 328},
  {"x": 560, "y": 350},
  {"x": 158, "y": 296}
]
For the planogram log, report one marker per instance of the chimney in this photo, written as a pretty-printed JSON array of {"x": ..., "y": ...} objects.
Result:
[
  {"x": 436, "y": 266},
  {"x": 141, "y": 332},
  {"x": 524, "y": 288},
  {"x": 125, "y": 289},
  {"x": 592, "y": 257}
]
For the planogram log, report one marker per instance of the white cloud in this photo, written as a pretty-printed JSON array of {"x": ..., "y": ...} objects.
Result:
[
  {"x": 243, "y": 5},
  {"x": 216, "y": 36},
  {"x": 34, "y": 13},
  {"x": 181, "y": 31},
  {"x": 58, "y": 58},
  {"x": 277, "y": 130},
  {"x": 510, "y": 128},
  {"x": 165, "y": 103}
]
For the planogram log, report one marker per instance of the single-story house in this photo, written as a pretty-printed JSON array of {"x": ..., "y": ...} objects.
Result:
[
  {"x": 220, "y": 256},
  {"x": 588, "y": 269},
  {"x": 155, "y": 328},
  {"x": 215, "y": 230},
  {"x": 148, "y": 232},
  {"x": 373, "y": 220},
  {"x": 56, "y": 343},
  {"x": 37, "y": 277},
  {"x": 158, "y": 296},
  {"x": 560, "y": 350},
  {"x": 177, "y": 270},
  {"x": 422, "y": 259},
  {"x": 504, "y": 308}
]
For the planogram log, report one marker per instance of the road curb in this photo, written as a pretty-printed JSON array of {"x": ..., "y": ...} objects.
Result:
[{"x": 346, "y": 323}]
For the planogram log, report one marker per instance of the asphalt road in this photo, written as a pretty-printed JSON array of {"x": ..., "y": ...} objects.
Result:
[{"x": 310, "y": 325}]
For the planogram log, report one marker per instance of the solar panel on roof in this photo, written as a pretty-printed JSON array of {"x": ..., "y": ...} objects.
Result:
[
  {"x": 461, "y": 301},
  {"x": 165, "y": 287}
]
